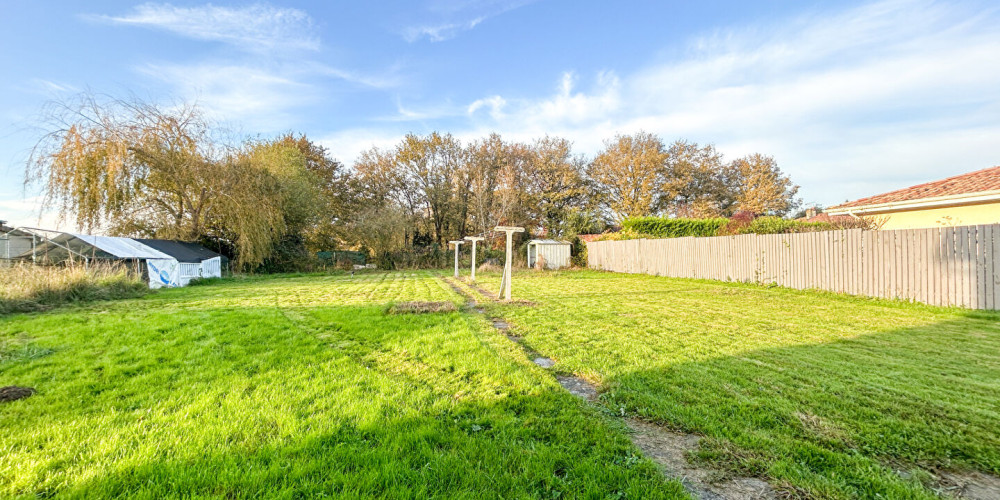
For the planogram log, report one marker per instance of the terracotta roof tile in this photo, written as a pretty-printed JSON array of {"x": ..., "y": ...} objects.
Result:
[
  {"x": 825, "y": 217},
  {"x": 987, "y": 179}
]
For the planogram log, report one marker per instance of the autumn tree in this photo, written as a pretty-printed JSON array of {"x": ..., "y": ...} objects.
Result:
[
  {"x": 694, "y": 181},
  {"x": 554, "y": 184},
  {"x": 629, "y": 174},
  {"x": 758, "y": 186},
  {"x": 496, "y": 170},
  {"x": 137, "y": 169}
]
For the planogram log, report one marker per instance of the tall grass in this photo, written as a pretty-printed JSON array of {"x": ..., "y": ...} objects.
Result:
[{"x": 25, "y": 287}]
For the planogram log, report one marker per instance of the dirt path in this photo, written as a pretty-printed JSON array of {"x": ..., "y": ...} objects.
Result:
[{"x": 667, "y": 448}]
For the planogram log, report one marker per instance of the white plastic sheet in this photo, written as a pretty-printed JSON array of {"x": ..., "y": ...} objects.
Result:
[{"x": 164, "y": 273}]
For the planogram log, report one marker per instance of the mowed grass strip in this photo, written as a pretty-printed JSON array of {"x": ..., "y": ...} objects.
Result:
[
  {"x": 292, "y": 387},
  {"x": 826, "y": 395}
]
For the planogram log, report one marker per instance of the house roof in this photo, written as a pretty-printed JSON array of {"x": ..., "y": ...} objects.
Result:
[
  {"x": 825, "y": 217},
  {"x": 183, "y": 251},
  {"x": 980, "y": 181}
]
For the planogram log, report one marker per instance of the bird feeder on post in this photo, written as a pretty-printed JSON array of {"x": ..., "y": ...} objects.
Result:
[
  {"x": 505, "y": 283},
  {"x": 474, "y": 239},
  {"x": 457, "y": 243}
]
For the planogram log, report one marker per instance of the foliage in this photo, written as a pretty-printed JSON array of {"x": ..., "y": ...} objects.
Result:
[
  {"x": 760, "y": 186},
  {"x": 138, "y": 169},
  {"x": 132, "y": 168},
  {"x": 629, "y": 174},
  {"x": 555, "y": 186},
  {"x": 665, "y": 227},
  {"x": 25, "y": 287},
  {"x": 777, "y": 225},
  {"x": 824, "y": 395},
  {"x": 299, "y": 387},
  {"x": 695, "y": 183},
  {"x": 740, "y": 223}
]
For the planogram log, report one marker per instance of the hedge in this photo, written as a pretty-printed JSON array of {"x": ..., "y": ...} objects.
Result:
[{"x": 662, "y": 227}]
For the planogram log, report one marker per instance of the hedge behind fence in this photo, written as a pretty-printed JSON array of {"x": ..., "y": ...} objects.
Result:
[
  {"x": 665, "y": 227},
  {"x": 662, "y": 227}
]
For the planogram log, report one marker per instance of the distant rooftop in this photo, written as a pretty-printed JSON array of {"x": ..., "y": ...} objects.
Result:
[{"x": 980, "y": 181}]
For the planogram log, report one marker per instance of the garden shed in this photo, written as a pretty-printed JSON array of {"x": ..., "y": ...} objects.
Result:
[{"x": 548, "y": 254}]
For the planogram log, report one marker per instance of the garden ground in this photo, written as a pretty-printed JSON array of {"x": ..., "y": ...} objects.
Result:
[{"x": 331, "y": 385}]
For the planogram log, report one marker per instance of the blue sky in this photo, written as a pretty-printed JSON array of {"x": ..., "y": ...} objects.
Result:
[{"x": 852, "y": 98}]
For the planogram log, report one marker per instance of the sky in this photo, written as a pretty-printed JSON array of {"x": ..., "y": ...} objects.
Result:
[{"x": 852, "y": 98}]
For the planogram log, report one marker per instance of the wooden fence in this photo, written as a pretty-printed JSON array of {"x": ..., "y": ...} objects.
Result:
[{"x": 951, "y": 266}]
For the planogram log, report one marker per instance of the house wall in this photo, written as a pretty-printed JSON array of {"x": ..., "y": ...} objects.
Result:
[{"x": 969, "y": 215}]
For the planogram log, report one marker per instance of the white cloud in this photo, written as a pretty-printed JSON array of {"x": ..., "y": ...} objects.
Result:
[
  {"x": 252, "y": 95},
  {"x": 850, "y": 104},
  {"x": 254, "y": 27},
  {"x": 451, "y": 18},
  {"x": 49, "y": 87},
  {"x": 440, "y": 32},
  {"x": 26, "y": 212},
  {"x": 495, "y": 105}
]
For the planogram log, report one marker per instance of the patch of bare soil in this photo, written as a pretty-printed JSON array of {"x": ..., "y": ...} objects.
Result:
[
  {"x": 669, "y": 449},
  {"x": 578, "y": 387},
  {"x": 13, "y": 393},
  {"x": 421, "y": 307},
  {"x": 482, "y": 291},
  {"x": 970, "y": 485},
  {"x": 952, "y": 484}
]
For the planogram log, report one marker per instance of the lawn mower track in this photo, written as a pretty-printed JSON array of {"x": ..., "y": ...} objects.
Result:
[{"x": 663, "y": 446}]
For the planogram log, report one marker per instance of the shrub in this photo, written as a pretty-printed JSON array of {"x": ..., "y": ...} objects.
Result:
[
  {"x": 777, "y": 225},
  {"x": 663, "y": 227},
  {"x": 25, "y": 287}
]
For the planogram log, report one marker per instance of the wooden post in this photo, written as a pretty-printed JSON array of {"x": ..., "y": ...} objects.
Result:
[
  {"x": 505, "y": 282},
  {"x": 474, "y": 239},
  {"x": 458, "y": 244}
]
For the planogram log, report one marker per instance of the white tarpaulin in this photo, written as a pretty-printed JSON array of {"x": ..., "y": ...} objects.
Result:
[{"x": 164, "y": 273}]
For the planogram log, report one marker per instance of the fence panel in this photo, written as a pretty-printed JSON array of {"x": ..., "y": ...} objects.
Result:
[{"x": 939, "y": 266}]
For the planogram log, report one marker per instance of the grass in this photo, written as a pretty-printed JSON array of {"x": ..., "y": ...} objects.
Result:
[
  {"x": 294, "y": 387},
  {"x": 25, "y": 287},
  {"x": 825, "y": 395}
]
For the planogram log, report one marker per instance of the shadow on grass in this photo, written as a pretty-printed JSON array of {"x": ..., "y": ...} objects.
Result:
[
  {"x": 299, "y": 402},
  {"x": 845, "y": 419}
]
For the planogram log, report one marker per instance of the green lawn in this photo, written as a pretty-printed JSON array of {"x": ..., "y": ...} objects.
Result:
[
  {"x": 297, "y": 387},
  {"x": 304, "y": 386},
  {"x": 824, "y": 395}
]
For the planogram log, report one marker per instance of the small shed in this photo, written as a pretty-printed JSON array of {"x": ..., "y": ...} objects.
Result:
[
  {"x": 186, "y": 261},
  {"x": 548, "y": 254}
]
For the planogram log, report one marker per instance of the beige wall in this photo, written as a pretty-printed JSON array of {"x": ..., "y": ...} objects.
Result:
[{"x": 943, "y": 217}]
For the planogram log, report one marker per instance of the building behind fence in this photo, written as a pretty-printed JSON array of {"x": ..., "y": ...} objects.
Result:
[{"x": 950, "y": 266}]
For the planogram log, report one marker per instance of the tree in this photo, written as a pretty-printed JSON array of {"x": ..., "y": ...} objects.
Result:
[
  {"x": 629, "y": 173},
  {"x": 694, "y": 181},
  {"x": 138, "y": 169},
  {"x": 554, "y": 184},
  {"x": 126, "y": 164},
  {"x": 495, "y": 169},
  {"x": 759, "y": 186},
  {"x": 432, "y": 164},
  {"x": 335, "y": 199}
]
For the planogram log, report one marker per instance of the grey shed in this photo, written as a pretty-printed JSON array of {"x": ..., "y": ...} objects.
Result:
[{"x": 551, "y": 254}]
